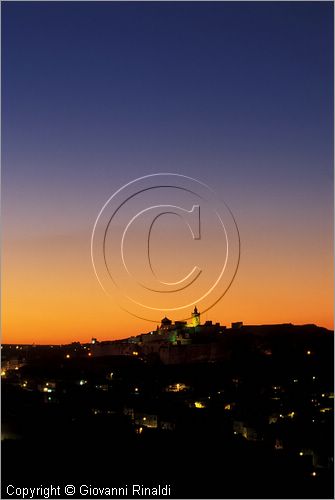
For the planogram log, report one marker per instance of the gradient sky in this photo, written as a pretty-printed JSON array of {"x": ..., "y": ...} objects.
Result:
[{"x": 95, "y": 94}]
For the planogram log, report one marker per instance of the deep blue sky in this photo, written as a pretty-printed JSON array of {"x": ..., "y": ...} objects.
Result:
[{"x": 146, "y": 85}]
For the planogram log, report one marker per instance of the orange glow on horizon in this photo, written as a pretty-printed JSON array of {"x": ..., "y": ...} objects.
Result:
[{"x": 51, "y": 295}]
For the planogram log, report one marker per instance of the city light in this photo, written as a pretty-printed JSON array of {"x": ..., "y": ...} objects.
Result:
[
  {"x": 198, "y": 404},
  {"x": 179, "y": 387},
  {"x": 325, "y": 410}
]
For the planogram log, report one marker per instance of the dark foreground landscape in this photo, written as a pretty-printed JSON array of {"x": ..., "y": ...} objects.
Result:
[{"x": 258, "y": 424}]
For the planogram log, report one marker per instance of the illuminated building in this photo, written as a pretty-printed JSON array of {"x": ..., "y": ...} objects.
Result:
[
  {"x": 195, "y": 318},
  {"x": 171, "y": 342}
]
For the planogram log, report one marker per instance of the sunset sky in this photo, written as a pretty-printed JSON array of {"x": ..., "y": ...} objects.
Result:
[{"x": 95, "y": 94}]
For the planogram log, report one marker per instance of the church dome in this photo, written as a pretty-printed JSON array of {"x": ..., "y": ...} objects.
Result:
[{"x": 166, "y": 321}]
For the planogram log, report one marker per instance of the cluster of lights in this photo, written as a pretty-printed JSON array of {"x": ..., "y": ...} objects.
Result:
[
  {"x": 47, "y": 388},
  {"x": 199, "y": 404},
  {"x": 325, "y": 410},
  {"x": 176, "y": 387},
  {"x": 101, "y": 387},
  {"x": 290, "y": 415}
]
